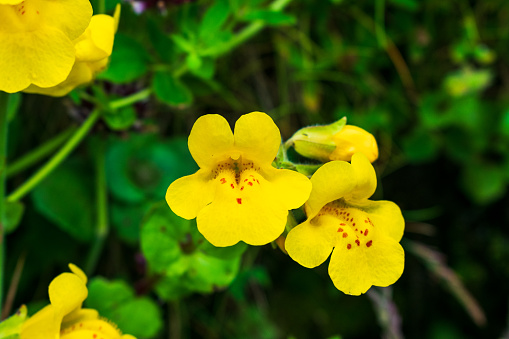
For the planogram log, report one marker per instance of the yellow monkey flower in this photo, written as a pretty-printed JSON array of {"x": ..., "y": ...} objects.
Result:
[
  {"x": 364, "y": 234},
  {"x": 37, "y": 41},
  {"x": 336, "y": 141},
  {"x": 93, "y": 49},
  {"x": 237, "y": 195},
  {"x": 64, "y": 318}
]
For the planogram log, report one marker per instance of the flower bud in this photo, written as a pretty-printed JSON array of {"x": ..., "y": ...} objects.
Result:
[{"x": 336, "y": 141}]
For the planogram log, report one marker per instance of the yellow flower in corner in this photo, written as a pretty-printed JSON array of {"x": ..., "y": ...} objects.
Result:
[
  {"x": 93, "y": 49},
  {"x": 364, "y": 234},
  {"x": 64, "y": 318},
  {"x": 37, "y": 41},
  {"x": 237, "y": 195}
]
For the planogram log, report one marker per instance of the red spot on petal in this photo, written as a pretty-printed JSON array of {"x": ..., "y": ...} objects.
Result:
[
  {"x": 369, "y": 243},
  {"x": 361, "y": 232},
  {"x": 366, "y": 232},
  {"x": 348, "y": 246},
  {"x": 94, "y": 335},
  {"x": 353, "y": 224},
  {"x": 340, "y": 229},
  {"x": 348, "y": 214},
  {"x": 239, "y": 201},
  {"x": 257, "y": 181},
  {"x": 250, "y": 183},
  {"x": 345, "y": 235},
  {"x": 343, "y": 224},
  {"x": 246, "y": 180},
  {"x": 231, "y": 185},
  {"x": 365, "y": 221},
  {"x": 22, "y": 12},
  {"x": 358, "y": 242},
  {"x": 223, "y": 180},
  {"x": 242, "y": 188}
]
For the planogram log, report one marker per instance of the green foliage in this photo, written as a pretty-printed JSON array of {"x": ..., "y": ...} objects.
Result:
[
  {"x": 11, "y": 327},
  {"x": 184, "y": 261},
  {"x": 115, "y": 300},
  {"x": 13, "y": 214}
]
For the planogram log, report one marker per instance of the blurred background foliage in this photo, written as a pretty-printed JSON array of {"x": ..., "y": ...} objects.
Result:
[{"x": 430, "y": 79}]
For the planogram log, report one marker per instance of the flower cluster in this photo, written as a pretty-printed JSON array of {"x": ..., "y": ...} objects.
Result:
[
  {"x": 64, "y": 318},
  {"x": 237, "y": 195},
  {"x": 51, "y": 47}
]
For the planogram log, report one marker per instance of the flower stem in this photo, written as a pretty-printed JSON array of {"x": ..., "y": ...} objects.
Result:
[
  {"x": 60, "y": 156},
  {"x": 102, "y": 229},
  {"x": 4, "y": 98},
  {"x": 134, "y": 98},
  {"x": 39, "y": 153}
]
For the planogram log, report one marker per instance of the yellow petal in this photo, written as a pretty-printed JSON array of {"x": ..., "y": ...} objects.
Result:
[
  {"x": 385, "y": 215},
  {"x": 43, "y": 57},
  {"x": 351, "y": 140},
  {"x": 69, "y": 16},
  {"x": 257, "y": 136},
  {"x": 79, "y": 314},
  {"x": 188, "y": 195},
  {"x": 291, "y": 188},
  {"x": 355, "y": 269},
  {"x": 10, "y": 2},
  {"x": 91, "y": 328},
  {"x": 66, "y": 292},
  {"x": 330, "y": 182},
  {"x": 210, "y": 140},
  {"x": 79, "y": 272},
  {"x": 97, "y": 41},
  {"x": 310, "y": 244},
  {"x": 244, "y": 211},
  {"x": 365, "y": 177},
  {"x": 45, "y": 324}
]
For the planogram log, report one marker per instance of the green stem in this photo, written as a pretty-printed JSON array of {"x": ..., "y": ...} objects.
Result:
[
  {"x": 60, "y": 156},
  {"x": 39, "y": 153},
  {"x": 102, "y": 210},
  {"x": 4, "y": 97},
  {"x": 380, "y": 23},
  {"x": 141, "y": 95}
]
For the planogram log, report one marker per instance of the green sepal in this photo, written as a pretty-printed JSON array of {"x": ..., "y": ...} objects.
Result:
[{"x": 10, "y": 328}]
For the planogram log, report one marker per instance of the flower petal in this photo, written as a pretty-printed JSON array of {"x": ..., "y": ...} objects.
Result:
[
  {"x": 385, "y": 215},
  {"x": 249, "y": 213},
  {"x": 79, "y": 272},
  {"x": 257, "y": 136},
  {"x": 366, "y": 177},
  {"x": 330, "y": 182},
  {"x": 190, "y": 194},
  {"x": 45, "y": 324},
  {"x": 210, "y": 140},
  {"x": 354, "y": 270},
  {"x": 10, "y": 2},
  {"x": 291, "y": 187},
  {"x": 97, "y": 41},
  {"x": 43, "y": 57},
  {"x": 69, "y": 16},
  {"x": 310, "y": 244},
  {"x": 66, "y": 292}
]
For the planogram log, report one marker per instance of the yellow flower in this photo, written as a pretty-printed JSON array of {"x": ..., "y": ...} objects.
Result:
[
  {"x": 37, "y": 41},
  {"x": 93, "y": 49},
  {"x": 64, "y": 318},
  {"x": 237, "y": 195},
  {"x": 335, "y": 141},
  {"x": 365, "y": 234}
]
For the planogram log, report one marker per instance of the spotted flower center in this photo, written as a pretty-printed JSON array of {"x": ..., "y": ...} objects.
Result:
[
  {"x": 354, "y": 227},
  {"x": 238, "y": 178},
  {"x": 25, "y": 16},
  {"x": 92, "y": 328}
]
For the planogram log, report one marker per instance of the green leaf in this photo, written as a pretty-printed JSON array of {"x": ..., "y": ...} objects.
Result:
[
  {"x": 120, "y": 119},
  {"x": 214, "y": 18},
  {"x": 483, "y": 182},
  {"x": 420, "y": 146},
  {"x": 126, "y": 219},
  {"x": 115, "y": 300},
  {"x": 467, "y": 81},
  {"x": 11, "y": 327},
  {"x": 270, "y": 17},
  {"x": 129, "y": 61},
  {"x": 223, "y": 252},
  {"x": 193, "y": 61},
  {"x": 66, "y": 197},
  {"x": 13, "y": 214},
  {"x": 170, "y": 90},
  {"x": 161, "y": 42},
  {"x": 411, "y": 5},
  {"x": 206, "y": 69},
  {"x": 183, "y": 43},
  {"x": 13, "y": 103}
]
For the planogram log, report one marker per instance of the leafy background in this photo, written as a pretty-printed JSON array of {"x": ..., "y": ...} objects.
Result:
[{"x": 428, "y": 78}]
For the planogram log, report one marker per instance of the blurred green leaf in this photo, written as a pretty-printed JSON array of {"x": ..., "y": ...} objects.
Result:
[
  {"x": 206, "y": 69},
  {"x": 126, "y": 219},
  {"x": 13, "y": 103},
  {"x": 129, "y": 61},
  {"x": 115, "y": 300},
  {"x": 467, "y": 80},
  {"x": 420, "y": 146},
  {"x": 214, "y": 18},
  {"x": 193, "y": 61},
  {"x": 270, "y": 17},
  {"x": 411, "y": 5},
  {"x": 66, "y": 197},
  {"x": 170, "y": 90},
  {"x": 120, "y": 119},
  {"x": 183, "y": 43},
  {"x": 484, "y": 182},
  {"x": 13, "y": 214},
  {"x": 163, "y": 44}
]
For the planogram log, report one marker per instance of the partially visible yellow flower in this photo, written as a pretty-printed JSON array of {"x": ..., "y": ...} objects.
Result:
[
  {"x": 64, "y": 318},
  {"x": 364, "y": 234},
  {"x": 336, "y": 141},
  {"x": 237, "y": 195},
  {"x": 37, "y": 41},
  {"x": 93, "y": 49}
]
